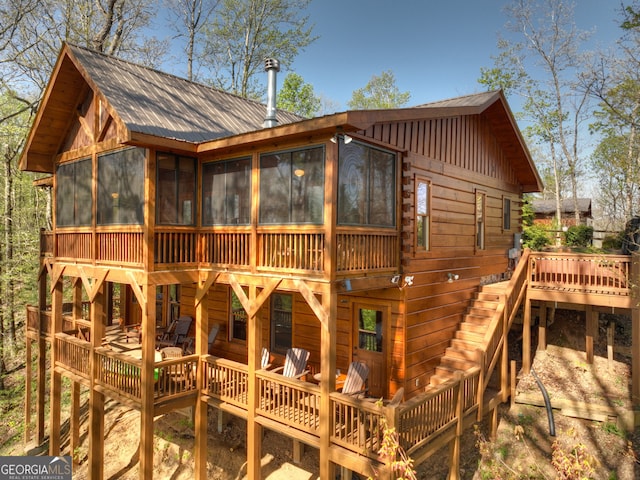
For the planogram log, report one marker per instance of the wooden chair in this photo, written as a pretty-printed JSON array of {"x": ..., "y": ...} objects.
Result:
[
  {"x": 190, "y": 347},
  {"x": 265, "y": 359},
  {"x": 356, "y": 382},
  {"x": 179, "y": 335},
  {"x": 295, "y": 363}
]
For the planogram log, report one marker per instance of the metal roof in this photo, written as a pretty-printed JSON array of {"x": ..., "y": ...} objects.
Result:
[{"x": 163, "y": 105}]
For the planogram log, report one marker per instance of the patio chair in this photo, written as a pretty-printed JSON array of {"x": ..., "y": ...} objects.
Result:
[
  {"x": 265, "y": 360},
  {"x": 295, "y": 363},
  {"x": 356, "y": 382},
  {"x": 190, "y": 344},
  {"x": 179, "y": 335}
]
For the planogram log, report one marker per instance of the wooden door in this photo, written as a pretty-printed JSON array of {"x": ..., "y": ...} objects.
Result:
[{"x": 369, "y": 346}]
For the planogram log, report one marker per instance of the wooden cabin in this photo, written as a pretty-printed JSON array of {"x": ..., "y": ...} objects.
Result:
[
  {"x": 357, "y": 236},
  {"x": 544, "y": 212}
]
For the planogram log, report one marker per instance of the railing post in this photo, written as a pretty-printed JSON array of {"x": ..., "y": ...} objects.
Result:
[
  {"x": 635, "y": 327},
  {"x": 454, "y": 447},
  {"x": 480, "y": 393}
]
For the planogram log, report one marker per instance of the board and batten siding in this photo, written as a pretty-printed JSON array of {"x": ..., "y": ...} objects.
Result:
[{"x": 459, "y": 156}]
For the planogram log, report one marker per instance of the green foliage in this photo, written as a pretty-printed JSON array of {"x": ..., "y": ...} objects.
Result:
[
  {"x": 297, "y": 96},
  {"x": 381, "y": 92},
  {"x": 527, "y": 212},
  {"x": 612, "y": 429},
  {"x": 579, "y": 236},
  {"x": 535, "y": 237},
  {"x": 243, "y": 34},
  {"x": 612, "y": 242}
]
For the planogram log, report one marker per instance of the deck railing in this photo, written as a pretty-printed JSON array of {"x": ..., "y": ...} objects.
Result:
[
  {"x": 119, "y": 372},
  {"x": 276, "y": 248},
  {"x": 607, "y": 274},
  {"x": 356, "y": 424},
  {"x": 73, "y": 354},
  {"x": 365, "y": 251},
  {"x": 288, "y": 401},
  {"x": 225, "y": 380},
  {"x": 176, "y": 376}
]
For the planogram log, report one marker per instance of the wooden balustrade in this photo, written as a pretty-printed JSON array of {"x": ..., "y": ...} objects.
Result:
[
  {"x": 291, "y": 250},
  {"x": 367, "y": 251},
  {"x": 608, "y": 274},
  {"x": 176, "y": 376},
  {"x": 119, "y": 372},
  {"x": 120, "y": 247},
  {"x": 226, "y": 248},
  {"x": 175, "y": 246},
  {"x": 73, "y": 354},
  {"x": 46, "y": 243},
  {"x": 74, "y": 245},
  {"x": 288, "y": 401},
  {"x": 33, "y": 318},
  {"x": 225, "y": 380},
  {"x": 356, "y": 424}
]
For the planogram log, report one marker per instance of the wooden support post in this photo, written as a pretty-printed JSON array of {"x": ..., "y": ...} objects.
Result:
[
  {"x": 611, "y": 331},
  {"x": 504, "y": 361},
  {"x": 96, "y": 399},
  {"x": 454, "y": 446},
  {"x": 592, "y": 332},
  {"x": 328, "y": 377},
  {"x": 494, "y": 424},
  {"x": 41, "y": 388},
  {"x": 526, "y": 336},
  {"x": 200, "y": 423},
  {"x": 148, "y": 381},
  {"x": 74, "y": 420},
  {"x": 56, "y": 378},
  {"x": 298, "y": 451},
  {"x": 27, "y": 390},
  {"x": 635, "y": 328},
  {"x": 254, "y": 429},
  {"x": 542, "y": 327},
  {"x": 513, "y": 383}
]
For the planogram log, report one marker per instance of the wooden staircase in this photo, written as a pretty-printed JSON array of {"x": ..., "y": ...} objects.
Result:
[{"x": 462, "y": 354}]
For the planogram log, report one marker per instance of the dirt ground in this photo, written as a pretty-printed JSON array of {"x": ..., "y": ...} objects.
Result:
[{"x": 521, "y": 450}]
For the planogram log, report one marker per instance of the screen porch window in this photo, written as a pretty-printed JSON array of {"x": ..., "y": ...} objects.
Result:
[
  {"x": 121, "y": 187},
  {"x": 366, "y": 185},
  {"x": 423, "y": 215},
  {"x": 226, "y": 192},
  {"x": 175, "y": 189},
  {"x": 292, "y": 187},
  {"x": 74, "y": 201},
  {"x": 281, "y": 322}
]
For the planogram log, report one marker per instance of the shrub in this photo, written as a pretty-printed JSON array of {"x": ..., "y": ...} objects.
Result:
[
  {"x": 579, "y": 236},
  {"x": 535, "y": 237},
  {"x": 612, "y": 242}
]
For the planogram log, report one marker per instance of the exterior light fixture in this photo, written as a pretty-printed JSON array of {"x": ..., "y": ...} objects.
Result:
[{"x": 452, "y": 276}]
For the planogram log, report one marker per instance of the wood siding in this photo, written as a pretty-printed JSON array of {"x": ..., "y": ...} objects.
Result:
[{"x": 458, "y": 156}]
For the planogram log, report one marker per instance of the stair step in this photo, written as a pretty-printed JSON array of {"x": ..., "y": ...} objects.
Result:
[
  {"x": 465, "y": 345},
  {"x": 473, "y": 327},
  {"x": 484, "y": 304},
  {"x": 488, "y": 297},
  {"x": 462, "y": 354},
  {"x": 436, "y": 380},
  {"x": 478, "y": 319},
  {"x": 457, "y": 363},
  {"x": 469, "y": 336}
]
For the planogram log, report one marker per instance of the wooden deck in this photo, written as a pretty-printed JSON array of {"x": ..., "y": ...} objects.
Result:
[{"x": 424, "y": 423}]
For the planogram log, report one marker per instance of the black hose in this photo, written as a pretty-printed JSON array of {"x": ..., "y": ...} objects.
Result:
[{"x": 547, "y": 402}]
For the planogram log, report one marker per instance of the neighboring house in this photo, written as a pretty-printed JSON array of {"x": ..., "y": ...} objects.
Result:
[
  {"x": 545, "y": 212},
  {"x": 358, "y": 236}
]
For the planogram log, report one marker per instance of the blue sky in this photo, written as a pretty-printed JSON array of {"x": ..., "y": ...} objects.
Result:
[{"x": 435, "y": 48}]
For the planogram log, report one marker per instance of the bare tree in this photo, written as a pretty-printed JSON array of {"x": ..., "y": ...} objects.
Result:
[{"x": 192, "y": 15}]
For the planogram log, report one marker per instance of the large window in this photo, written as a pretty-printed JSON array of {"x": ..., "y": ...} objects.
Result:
[
  {"x": 237, "y": 319},
  {"x": 281, "y": 322},
  {"x": 292, "y": 187},
  {"x": 226, "y": 192},
  {"x": 121, "y": 187},
  {"x": 423, "y": 215},
  {"x": 175, "y": 189},
  {"x": 366, "y": 185},
  {"x": 73, "y": 194}
]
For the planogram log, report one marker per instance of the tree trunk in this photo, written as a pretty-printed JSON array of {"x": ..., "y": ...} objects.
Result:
[{"x": 9, "y": 307}]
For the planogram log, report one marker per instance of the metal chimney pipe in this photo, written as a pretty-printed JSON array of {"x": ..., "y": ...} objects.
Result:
[{"x": 272, "y": 67}]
